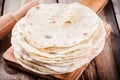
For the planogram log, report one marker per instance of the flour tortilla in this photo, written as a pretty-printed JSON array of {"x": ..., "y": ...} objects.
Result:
[
  {"x": 58, "y": 69},
  {"x": 34, "y": 51},
  {"x": 57, "y": 38},
  {"x": 66, "y": 29},
  {"x": 55, "y": 68},
  {"x": 90, "y": 44}
]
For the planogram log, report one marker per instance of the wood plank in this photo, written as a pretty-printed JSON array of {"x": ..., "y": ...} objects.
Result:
[
  {"x": 17, "y": 4},
  {"x": 115, "y": 37},
  {"x": 6, "y": 43},
  {"x": 116, "y": 6},
  {"x": 106, "y": 66},
  {"x": 47, "y": 1},
  {"x": 1, "y": 6}
]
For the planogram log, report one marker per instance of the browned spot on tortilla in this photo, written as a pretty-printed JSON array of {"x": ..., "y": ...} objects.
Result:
[
  {"x": 26, "y": 40},
  {"x": 23, "y": 25},
  {"x": 84, "y": 24},
  {"x": 52, "y": 52},
  {"x": 68, "y": 36},
  {"x": 96, "y": 48},
  {"x": 20, "y": 33},
  {"x": 30, "y": 23},
  {"x": 84, "y": 34},
  {"x": 35, "y": 42},
  {"x": 48, "y": 36},
  {"x": 53, "y": 22},
  {"x": 67, "y": 22},
  {"x": 37, "y": 7}
]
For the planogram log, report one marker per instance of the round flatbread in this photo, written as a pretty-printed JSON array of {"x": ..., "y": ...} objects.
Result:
[{"x": 57, "y": 38}]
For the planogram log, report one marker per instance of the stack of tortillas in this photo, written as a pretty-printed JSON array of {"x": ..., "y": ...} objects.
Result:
[{"x": 57, "y": 38}]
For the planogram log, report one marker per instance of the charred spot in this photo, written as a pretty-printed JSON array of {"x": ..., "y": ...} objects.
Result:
[
  {"x": 34, "y": 42},
  {"x": 37, "y": 7},
  {"x": 67, "y": 22},
  {"x": 69, "y": 36},
  {"x": 30, "y": 23},
  {"x": 84, "y": 24},
  {"x": 48, "y": 36},
  {"x": 20, "y": 33},
  {"x": 53, "y": 22},
  {"x": 23, "y": 25},
  {"x": 85, "y": 34}
]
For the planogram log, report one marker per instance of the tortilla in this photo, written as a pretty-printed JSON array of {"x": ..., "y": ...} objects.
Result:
[{"x": 57, "y": 38}]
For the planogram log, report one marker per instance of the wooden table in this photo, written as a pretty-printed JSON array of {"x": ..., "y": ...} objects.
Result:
[{"x": 106, "y": 66}]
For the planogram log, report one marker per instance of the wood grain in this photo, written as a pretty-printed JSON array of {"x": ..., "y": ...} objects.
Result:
[
  {"x": 95, "y": 5},
  {"x": 106, "y": 66},
  {"x": 17, "y": 4},
  {"x": 116, "y": 5},
  {"x": 115, "y": 37},
  {"x": 1, "y": 5}
]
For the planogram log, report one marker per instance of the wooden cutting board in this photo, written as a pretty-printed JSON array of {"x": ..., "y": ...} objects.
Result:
[
  {"x": 95, "y": 5},
  {"x": 10, "y": 59}
]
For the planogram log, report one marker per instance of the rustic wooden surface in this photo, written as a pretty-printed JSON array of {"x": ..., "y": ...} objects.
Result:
[{"x": 104, "y": 67}]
